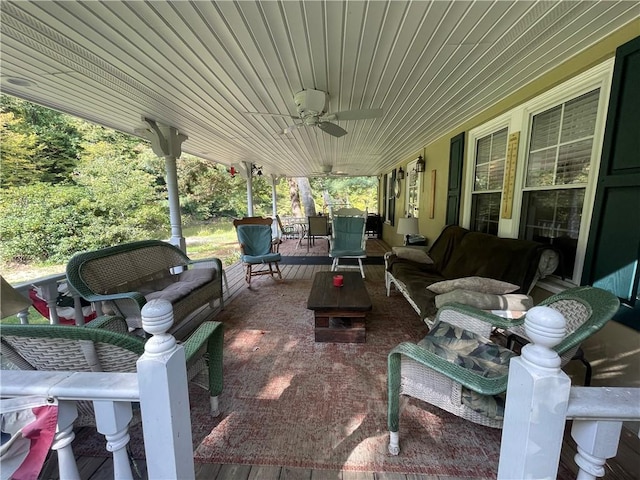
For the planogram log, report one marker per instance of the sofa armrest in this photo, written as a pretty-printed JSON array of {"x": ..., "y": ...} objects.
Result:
[{"x": 212, "y": 262}]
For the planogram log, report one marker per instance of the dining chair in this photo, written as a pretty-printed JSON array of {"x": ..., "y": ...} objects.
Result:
[
  {"x": 318, "y": 226},
  {"x": 257, "y": 246},
  {"x": 348, "y": 241}
]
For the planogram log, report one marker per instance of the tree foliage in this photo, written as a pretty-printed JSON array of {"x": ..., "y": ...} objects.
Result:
[{"x": 68, "y": 185}]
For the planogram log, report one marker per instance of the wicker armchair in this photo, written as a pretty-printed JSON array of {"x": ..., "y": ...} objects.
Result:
[
  {"x": 457, "y": 368},
  {"x": 105, "y": 346}
]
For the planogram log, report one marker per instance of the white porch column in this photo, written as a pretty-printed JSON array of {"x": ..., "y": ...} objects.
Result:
[
  {"x": 274, "y": 195},
  {"x": 166, "y": 142},
  {"x": 249, "y": 173},
  {"x": 164, "y": 397},
  {"x": 537, "y": 398}
]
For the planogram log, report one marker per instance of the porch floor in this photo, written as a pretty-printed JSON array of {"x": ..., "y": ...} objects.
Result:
[{"x": 623, "y": 467}]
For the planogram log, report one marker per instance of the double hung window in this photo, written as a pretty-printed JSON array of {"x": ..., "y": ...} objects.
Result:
[{"x": 560, "y": 139}]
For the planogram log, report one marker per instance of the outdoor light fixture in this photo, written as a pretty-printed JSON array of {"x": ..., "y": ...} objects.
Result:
[
  {"x": 401, "y": 173},
  {"x": 255, "y": 170},
  {"x": 407, "y": 226},
  {"x": 420, "y": 164}
]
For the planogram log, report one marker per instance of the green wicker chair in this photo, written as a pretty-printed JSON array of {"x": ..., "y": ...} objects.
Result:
[
  {"x": 105, "y": 346},
  {"x": 457, "y": 368}
]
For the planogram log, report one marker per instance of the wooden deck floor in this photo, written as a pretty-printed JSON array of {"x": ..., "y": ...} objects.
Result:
[{"x": 626, "y": 466}]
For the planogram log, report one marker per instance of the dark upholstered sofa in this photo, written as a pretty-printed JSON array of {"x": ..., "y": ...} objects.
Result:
[{"x": 459, "y": 253}]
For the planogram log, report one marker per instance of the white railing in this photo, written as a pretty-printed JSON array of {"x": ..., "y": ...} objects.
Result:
[
  {"x": 49, "y": 288},
  {"x": 160, "y": 385},
  {"x": 539, "y": 401}
]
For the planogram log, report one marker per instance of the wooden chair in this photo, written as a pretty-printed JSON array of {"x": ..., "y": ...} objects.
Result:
[
  {"x": 457, "y": 368},
  {"x": 348, "y": 241},
  {"x": 257, "y": 247}
]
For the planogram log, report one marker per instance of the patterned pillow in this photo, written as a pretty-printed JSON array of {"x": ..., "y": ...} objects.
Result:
[{"x": 476, "y": 284}]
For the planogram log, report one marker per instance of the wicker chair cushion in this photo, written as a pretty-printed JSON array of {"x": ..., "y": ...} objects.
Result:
[
  {"x": 473, "y": 352},
  {"x": 186, "y": 283},
  {"x": 468, "y": 350}
]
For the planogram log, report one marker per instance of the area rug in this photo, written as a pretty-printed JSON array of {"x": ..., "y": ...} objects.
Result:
[{"x": 290, "y": 401}]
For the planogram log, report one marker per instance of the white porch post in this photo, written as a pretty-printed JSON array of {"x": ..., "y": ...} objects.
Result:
[
  {"x": 248, "y": 170},
  {"x": 537, "y": 398},
  {"x": 162, "y": 379},
  {"x": 166, "y": 142},
  {"x": 274, "y": 195}
]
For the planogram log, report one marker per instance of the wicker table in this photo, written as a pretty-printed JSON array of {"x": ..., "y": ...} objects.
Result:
[{"x": 339, "y": 311}]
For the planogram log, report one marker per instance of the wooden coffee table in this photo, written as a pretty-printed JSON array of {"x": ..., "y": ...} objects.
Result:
[{"x": 339, "y": 311}]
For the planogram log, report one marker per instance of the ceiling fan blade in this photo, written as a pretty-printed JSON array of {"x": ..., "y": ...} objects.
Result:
[
  {"x": 270, "y": 114},
  {"x": 332, "y": 129},
  {"x": 355, "y": 114}
]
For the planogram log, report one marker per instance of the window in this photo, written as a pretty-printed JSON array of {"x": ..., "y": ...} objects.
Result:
[
  {"x": 390, "y": 206},
  {"x": 554, "y": 173},
  {"x": 491, "y": 152},
  {"x": 558, "y": 164},
  {"x": 412, "y": 198}
]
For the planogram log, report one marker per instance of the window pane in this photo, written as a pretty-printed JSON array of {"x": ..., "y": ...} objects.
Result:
[
  {"x": 546, "y": 128},
  {"x": 496, "y": 174},
  {"x": 573, "y": 163},
  {"x": 485, "y": 212},
  {"x": 553, "y": 217},
  {"x": 580, "y": 117},
  {"x": 482, "y": 178},
  {"x": 541, "y": 168},
  {"x": 491, "y": 152},
  {"x": 499, "y": 145}
]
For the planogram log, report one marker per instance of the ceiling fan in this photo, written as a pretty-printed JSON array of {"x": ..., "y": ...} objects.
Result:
[
  {"x": 312, "y": 112},
  {"x": 327, "y": 171}
]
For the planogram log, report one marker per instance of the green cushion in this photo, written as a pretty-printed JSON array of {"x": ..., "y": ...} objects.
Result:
[{"x": 475, "y": 353}]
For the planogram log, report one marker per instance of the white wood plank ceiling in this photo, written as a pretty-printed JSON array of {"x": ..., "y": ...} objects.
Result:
[{"x": 202, "y": 66}]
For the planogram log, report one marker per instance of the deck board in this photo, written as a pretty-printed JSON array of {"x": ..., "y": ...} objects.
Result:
[{"x": 623, "y": 467}]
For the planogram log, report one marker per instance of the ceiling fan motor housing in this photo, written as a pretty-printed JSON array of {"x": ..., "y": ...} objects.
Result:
[{"x": 310, "y": 102}]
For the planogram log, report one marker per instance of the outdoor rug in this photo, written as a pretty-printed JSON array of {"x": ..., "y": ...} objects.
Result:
[{"x": 289, "y": 401}]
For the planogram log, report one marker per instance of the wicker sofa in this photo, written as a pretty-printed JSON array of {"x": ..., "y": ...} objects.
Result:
[
  {"x": 461, "y": 254},
  {"x": 125, "y": 277}
]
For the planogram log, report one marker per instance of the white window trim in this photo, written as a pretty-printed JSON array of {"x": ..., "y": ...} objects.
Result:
[{"x": 519, "y": 119}]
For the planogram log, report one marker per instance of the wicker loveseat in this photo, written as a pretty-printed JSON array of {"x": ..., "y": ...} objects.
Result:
[
  {"x": 461, "y": 254},
  {"x": 125, "y": 277}
]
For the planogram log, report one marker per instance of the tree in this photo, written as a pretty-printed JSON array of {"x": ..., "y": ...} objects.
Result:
[
  {"x": 296, "y": 210},
  {"x": 57, "y": 139},
  {"x": 18, "y": 147}
]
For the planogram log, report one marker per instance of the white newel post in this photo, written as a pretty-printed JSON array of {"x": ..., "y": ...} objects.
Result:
[
  {"x": 164, "y": 398},
  {"x": 536, "y": 405}
]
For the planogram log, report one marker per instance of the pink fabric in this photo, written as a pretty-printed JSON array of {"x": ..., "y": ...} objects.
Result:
[{"x": 32, "y": 430}]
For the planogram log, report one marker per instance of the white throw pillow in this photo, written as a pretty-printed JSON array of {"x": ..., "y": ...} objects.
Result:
[
  {"x": 414, "y": 254},
  {"x": 476, "y": 284}
]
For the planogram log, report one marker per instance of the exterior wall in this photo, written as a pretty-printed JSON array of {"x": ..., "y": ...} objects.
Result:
[
  {"x": 614, "y": 352},
  {"x": 437, "y": 153}
]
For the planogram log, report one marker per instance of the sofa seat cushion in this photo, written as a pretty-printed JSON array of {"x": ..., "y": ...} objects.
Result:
[
  {"x": 475, "y": 353},
  {"x": 179, "y": 286}
]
